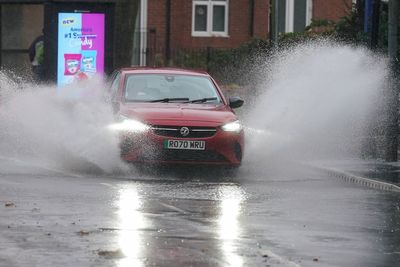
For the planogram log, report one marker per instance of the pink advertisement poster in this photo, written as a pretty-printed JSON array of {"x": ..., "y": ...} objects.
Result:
[{"x": 80, "y": 47}]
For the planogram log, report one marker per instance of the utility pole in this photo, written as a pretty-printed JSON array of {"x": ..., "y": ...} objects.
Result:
[
  {"x": 360, "y": 14},
  {"x": 376, "y": 10},
  {"x": 393, "y": 24},
  {"x": 274, "y": 22},
  {"x": 367, "y": 14},
  {"x": 393, "y": 97}
]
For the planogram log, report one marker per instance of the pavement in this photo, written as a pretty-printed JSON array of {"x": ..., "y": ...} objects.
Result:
[{"x": 371, "y": 173}]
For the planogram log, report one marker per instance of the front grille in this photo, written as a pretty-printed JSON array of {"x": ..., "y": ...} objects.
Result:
[
  {"x": 184, "y": 155},
  {"x": 174, "y": 131}
]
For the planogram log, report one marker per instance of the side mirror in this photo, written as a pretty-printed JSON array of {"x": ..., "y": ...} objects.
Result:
[{"x": 235, "y": 102}]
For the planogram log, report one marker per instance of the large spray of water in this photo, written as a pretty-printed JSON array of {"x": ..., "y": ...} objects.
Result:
[
  {"x": 62, "y": 130},
  {"x": 318, "y": 101}
]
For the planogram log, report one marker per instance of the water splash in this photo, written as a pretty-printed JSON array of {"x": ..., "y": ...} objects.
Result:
[
  {"x": 318, "y": 102},
  {"x": 63, "y": 130}
]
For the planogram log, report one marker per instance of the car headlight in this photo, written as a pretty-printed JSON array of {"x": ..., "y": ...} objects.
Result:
[
  {"x": 129, "y": 125},
  {"x": 234, "y": 126}
]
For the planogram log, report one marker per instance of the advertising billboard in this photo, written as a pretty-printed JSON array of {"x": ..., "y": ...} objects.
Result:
[{"x": 80, "y": 47}]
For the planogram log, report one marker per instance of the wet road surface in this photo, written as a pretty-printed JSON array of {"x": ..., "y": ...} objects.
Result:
[{"x": 277, "y": 215}]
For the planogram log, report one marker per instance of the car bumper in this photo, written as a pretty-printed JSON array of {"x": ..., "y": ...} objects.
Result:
[{"x": 223, "y": 148}]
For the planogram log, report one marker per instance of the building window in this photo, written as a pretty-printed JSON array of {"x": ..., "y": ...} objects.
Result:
[
  {"x": 300, "y": 15},
  {"x": 210, "y": 18},
  {"x": 294, "y": 15}
]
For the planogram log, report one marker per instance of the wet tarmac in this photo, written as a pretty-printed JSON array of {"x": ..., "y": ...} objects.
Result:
[{"x": 275, "y": 215}]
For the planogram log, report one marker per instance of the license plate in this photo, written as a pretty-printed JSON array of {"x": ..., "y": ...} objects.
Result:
[{"x": 185, "y": 144}]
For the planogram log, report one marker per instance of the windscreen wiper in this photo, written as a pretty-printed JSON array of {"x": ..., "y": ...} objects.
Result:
[
  {"x": 170, "y": 99},
  {"x": 202, "y": 100}
]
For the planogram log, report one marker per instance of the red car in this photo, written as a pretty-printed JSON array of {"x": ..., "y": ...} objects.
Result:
[{"x": 175, "y": 116}]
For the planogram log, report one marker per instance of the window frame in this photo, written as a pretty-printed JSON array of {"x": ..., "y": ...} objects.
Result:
[
  {"x": 210, "y": 12},
  {"x": 289, "y": 14}
]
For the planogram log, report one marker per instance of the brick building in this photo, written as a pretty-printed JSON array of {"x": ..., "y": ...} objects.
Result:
[
  {"x": 189, "y": 24},
  {"x": 150, "y": 30}
]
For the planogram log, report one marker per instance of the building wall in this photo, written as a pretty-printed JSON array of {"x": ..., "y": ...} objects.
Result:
[
  {"x": 156, "y": 18},
  {"x": 331, "y": 9},
  {"x": 261, "y": 19},
  {"x": 240, "y": 28}
]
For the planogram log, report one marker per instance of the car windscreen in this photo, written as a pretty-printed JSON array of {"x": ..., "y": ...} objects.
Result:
[{"x": 169, "y": 88}]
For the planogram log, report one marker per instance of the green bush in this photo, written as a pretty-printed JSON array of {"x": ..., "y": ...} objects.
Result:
[{"x": 228, "y": 66}]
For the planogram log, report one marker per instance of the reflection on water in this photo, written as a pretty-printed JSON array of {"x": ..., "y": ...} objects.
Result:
[
  {"x": 131, "y": 221},
  {"x": 229, "y": 229}
]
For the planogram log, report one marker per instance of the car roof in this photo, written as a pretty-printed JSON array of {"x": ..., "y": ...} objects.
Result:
[{"x": 163, "y": 70}]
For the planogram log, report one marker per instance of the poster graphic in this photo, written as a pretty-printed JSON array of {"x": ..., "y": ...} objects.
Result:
[{"x": 80, "y": 47}]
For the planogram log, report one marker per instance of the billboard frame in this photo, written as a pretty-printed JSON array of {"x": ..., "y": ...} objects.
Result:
[{"x": 51, "y": 11}]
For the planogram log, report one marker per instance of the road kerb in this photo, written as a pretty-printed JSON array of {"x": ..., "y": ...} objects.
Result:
[{"x": 348, "y": 177}]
